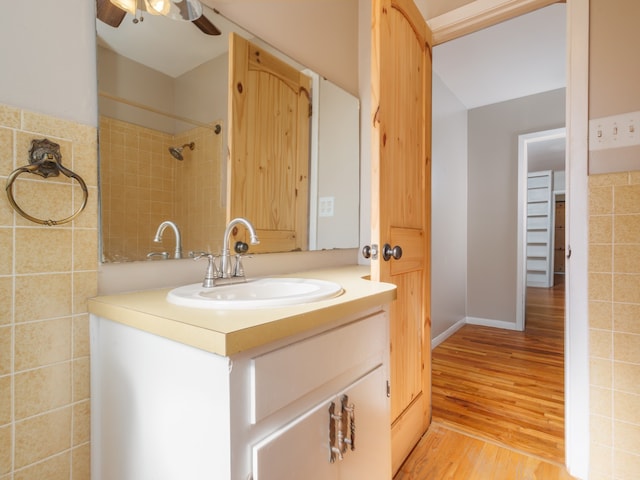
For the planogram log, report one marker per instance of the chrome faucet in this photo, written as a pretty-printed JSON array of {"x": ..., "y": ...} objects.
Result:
[
  {"x": 176, "y": 231},
  {"x": 225, "y": 258}
]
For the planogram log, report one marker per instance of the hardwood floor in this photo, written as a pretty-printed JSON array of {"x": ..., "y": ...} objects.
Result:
[
  {"x": 498, "y": 400},
  {"x": 446, "y": 453}
]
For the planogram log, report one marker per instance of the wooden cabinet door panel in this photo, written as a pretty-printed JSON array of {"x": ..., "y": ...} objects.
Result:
[{"x": 268, "y": 168}]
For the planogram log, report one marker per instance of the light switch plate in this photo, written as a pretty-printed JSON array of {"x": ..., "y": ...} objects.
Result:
[
  {"x": 615, "y": 131},
  {"x": 325, "y": 207}
]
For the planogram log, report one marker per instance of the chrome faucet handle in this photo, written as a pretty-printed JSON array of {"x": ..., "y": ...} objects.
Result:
[
  {"x": 212, "y": 269},
  {"x": 238, "y": 270}
]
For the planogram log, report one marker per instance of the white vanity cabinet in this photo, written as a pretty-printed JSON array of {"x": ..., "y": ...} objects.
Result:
[{"x": 163, "y": 410}]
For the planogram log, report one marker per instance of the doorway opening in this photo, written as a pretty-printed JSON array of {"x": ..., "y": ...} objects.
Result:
[{"x": 541, "y": 190}]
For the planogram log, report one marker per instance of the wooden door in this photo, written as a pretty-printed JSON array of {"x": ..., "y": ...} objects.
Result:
[
  {"x": 401, "y": 207},
  {"x": 268, "y": 169}
]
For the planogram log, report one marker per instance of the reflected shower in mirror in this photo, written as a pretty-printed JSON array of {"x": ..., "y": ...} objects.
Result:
[{"x": 163, "y": 96}]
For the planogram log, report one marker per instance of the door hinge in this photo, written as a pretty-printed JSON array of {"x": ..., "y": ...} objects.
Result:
[{"x": 388, "y": 389}]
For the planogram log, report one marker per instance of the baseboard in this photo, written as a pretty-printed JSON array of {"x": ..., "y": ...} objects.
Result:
[
  {"x": 447, "y": 333},
  {"x": 487, "y": 322}
]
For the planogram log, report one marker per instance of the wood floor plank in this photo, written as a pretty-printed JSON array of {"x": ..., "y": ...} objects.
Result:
[
  {"x": 505, "y": 385},
  {"x": 498, "y": 400},
  {"x": 445, "y": 453}
]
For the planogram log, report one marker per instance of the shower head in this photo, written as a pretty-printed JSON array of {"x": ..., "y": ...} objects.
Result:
[{"x": 177, "y": 151}]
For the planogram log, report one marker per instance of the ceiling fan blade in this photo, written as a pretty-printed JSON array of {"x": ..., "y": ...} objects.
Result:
[
  {"x": 108, "y": 13},
  {"x": 205, "y": 25}
]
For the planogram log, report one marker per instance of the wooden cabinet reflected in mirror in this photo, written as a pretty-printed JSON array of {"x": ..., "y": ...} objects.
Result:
[
  {"x": 152, "y": 100},
  {"x": 269, "y": 147}
]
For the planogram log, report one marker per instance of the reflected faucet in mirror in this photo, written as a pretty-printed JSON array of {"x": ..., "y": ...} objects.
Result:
[{"x": 176, "y": 232}]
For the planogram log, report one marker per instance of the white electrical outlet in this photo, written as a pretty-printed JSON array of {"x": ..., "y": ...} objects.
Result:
[
  {"x": 615, "y": 131},
  {"x": 325, "y": 207}
]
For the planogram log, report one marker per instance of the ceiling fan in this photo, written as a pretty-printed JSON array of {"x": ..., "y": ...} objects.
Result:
[{"x": 113, "y": 15}]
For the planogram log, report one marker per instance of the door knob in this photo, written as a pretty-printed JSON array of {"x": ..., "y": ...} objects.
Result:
[
  {"x": 370, "y": 251},
  {"x": 388, "y": 251}
]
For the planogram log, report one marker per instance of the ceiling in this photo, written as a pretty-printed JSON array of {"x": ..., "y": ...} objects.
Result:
[
  {"x": 513, "y": 59},
  {"x": 168, "y": 46},
  {"x": 520, "y": 57}
]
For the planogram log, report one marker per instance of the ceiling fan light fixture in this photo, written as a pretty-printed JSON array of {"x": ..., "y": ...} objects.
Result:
[
  {"x": 157, "y": 7},
  {"x": 187, "y": 10},
  {"x": 128, "y": 6}
]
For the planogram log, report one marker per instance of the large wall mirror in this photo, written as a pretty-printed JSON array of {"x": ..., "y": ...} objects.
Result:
[{"x": 165, "y": 124}]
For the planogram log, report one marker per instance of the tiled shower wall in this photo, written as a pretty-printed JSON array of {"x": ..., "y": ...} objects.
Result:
[
  {"x": 46, "y": 276},
  {"x": 200, "y": 182},
  {"x": 143, "y": 185},
  {"x": 138, "y": 193},
  {"x": 614, "y": 320}
]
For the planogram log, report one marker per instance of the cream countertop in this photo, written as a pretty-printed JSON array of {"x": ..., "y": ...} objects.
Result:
[{"x": 226, "y": 332}]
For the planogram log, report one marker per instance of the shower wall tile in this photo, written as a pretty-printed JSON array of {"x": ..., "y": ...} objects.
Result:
[
  {"x": 6, "y": 340},
  {"x": 627, "y": 318},
  {"x": 600, "y": 315},
  {"x": 42, "y": 436},
  {"x": 39, "y": 297},
  {"x": 9, "y": 116},
  {"x": 85, "y": 241},
  {"x": 42, "y": 389},
  {"x": 40, "y": 250},
  {"x": 81, "y": 422},
  {"x": 38, "y": 344},
  {"x": 54, "y": 468},
  {"x": 144, "y": 185},
  {"x": 6, "y": 247},
  {"x": 6, "y": 393},
  {"x": 626, "y": 465},
  {"x": 6, "y": 450},
  {"x": 46, "y": 275},
  {"x": 6, "y": 300},
  {"x": 627, "y": 229},
  {"x": 80, "y": 336},
  {"x": 6, "y": 150},
  {"x": 614, "y": 319},
  {"x": 600, "y": 229},
  {"x": 81, "y": 462}
]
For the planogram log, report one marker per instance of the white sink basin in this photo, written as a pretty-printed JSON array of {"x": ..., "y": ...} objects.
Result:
[{"x": 258, "y": 293}]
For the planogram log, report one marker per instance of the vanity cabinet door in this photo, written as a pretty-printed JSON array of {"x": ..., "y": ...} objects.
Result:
[
  {"x": 371, "y": 457},
  {"x": 302, "y": 450}
]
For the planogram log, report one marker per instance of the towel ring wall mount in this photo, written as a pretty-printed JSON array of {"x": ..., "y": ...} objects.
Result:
[{"x": 45, "y": 160}]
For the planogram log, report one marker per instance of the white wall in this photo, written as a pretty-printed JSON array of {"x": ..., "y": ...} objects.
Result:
[
  {"x": 318, "y": 34},
  {"x": 48, "y": 58},
  {"x": 338, "y": 176},
  {"x": 448, "y": 211},
  {"x": 492, "y": 202}
]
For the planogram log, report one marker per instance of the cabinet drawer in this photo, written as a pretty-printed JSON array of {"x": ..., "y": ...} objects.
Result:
[{"x": 282, "y": 376}]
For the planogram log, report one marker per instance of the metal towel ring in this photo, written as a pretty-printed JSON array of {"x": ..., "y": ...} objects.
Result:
[{"x": 45, "y": 160}]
